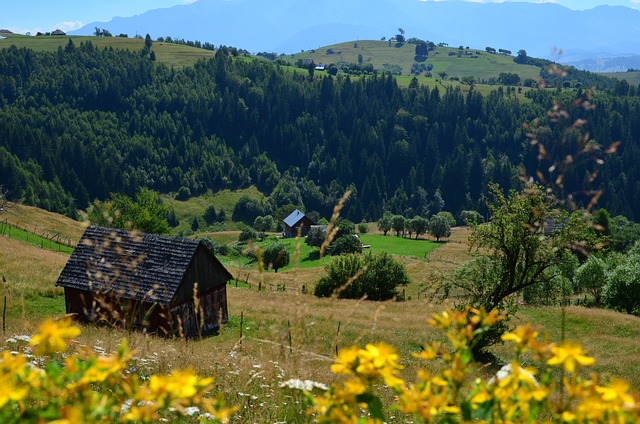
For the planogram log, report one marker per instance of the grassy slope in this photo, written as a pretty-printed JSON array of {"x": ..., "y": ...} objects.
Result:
[
  {"x": 172, "y": 55},
  {"x": 379, "y": 53},
  {"x": 194, "y": 207},
  {"x": 30, "y": 273},
  {"x": 632, "y": 78}
]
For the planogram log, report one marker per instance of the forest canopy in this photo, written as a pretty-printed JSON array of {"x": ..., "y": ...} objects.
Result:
[{"x": 82, "y": 122}]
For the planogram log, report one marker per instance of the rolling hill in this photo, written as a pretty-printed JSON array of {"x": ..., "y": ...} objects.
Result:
[
  {"x": 172, "y": 55},
  {"x": 287, "y": 26},
  {"x": 383, "y": 55}
]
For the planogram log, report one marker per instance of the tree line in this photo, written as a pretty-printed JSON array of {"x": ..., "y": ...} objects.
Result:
[{"x": 82, "y": 122}]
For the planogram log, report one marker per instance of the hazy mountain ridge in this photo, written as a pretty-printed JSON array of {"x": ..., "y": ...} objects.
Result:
[{"x": 286, "y": 26}]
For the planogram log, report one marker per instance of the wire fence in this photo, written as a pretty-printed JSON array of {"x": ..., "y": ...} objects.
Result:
[{"x": 45, "y": 240}]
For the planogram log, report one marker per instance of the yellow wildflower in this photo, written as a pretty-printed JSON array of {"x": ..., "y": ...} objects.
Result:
[
  {"x": 346, "y": 361},
  {"x": 617, "y": 392},
  {"x": 568, "y": 355},
  {"x": 53, "y": 336},
  {"x": 10, "y": 390},
  {"x": 177, "y": 385},
  {"x": 524, "y": 338}
]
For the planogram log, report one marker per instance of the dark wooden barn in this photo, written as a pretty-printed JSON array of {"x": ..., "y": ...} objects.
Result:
[
  {"x": 159, "y": 284},
  {"x": 297, "y": 222}
]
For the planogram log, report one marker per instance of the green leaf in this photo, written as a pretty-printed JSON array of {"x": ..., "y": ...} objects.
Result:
[
  {"x": 483, "y": 412},
  {"x": 374, "y": 405}
]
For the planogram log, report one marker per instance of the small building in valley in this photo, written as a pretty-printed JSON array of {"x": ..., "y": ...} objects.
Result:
[
  {"x": 58, "y": 32},
  {"x": 297, "y": 222},
  {"x": 158, "y": 284}
]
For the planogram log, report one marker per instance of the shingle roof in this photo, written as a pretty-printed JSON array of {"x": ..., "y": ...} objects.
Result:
[
  {"x": 142, "y": 267},
  {"x": 293, "y": 218}
]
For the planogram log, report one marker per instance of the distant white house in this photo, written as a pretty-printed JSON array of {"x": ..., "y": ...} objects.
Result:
[{"x": 320, "y": 67}]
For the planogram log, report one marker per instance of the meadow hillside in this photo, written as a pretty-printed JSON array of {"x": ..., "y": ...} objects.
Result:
[
  {"x": 288, "y": 334},
  {"x": 169, "y": 54},
  {"x": 400, "y": 57}
]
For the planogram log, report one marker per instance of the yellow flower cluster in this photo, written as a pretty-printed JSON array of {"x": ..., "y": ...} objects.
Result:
[
  {"x": 342, "y": 404},
  {"x": 515, "y": 395},
  {"x": 84, "y": 387}
]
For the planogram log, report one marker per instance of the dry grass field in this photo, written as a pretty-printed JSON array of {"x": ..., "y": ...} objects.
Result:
[{"x": 273, "y": 336}]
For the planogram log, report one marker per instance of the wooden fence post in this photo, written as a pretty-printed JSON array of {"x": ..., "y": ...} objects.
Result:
[{"x": 4, "y": 312}]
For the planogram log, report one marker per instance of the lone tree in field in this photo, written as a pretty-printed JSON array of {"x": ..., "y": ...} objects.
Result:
[
  {"x": 518, "y": 248},
  {"x": 276, "y": 256}
]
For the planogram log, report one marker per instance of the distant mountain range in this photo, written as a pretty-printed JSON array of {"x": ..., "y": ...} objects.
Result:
[{"x": 588, "y": 38}]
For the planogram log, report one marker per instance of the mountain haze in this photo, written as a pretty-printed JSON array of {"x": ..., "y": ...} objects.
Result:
[{"x": 288, "y": 26}]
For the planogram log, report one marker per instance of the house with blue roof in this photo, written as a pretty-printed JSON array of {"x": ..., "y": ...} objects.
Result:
[{"x": 297, "y": 222}]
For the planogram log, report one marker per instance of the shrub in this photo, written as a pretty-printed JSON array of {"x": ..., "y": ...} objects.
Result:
[
  {"x": 315, "y": 237},
  {"x": 622, "y": 291},
  {"x": 592, "y": 277},
  {"x": 183, "y": 193},
  {"x": 345, "y": 227},
  {"x": 248, "y": 234},
  {"x": 210, "y": 215},
  {"x": 354, "y": 276},
  {"x": 216, "y": 247},
  {"x": 363, "y": 228},
  {"x": 470, "y": 217},
  {"x": 346, "y": 244}
]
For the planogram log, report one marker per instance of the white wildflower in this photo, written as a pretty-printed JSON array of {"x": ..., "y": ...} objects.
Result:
[
  {"x": 191, "y": 410},
  {"x": 304, "y": 385},
  {"x": 507, "y": 370}
]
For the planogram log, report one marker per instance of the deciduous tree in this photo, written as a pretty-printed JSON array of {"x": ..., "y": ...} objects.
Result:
[
  {"x": 275, "y": 256},
  {"x": 516, "y": 249}
]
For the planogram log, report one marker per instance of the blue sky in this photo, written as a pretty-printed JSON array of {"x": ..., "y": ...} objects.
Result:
[{"x": 23, "y": 16}]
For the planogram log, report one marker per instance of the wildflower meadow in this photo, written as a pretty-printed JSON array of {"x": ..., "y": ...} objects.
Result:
[{"x": 50, "y": 377}]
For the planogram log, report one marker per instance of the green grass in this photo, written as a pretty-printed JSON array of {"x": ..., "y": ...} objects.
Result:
[
  {"x": 611, "y": 337},
  {"x": 399, "y": 246},
  {"x": 172, "y": 55},
  {"x": 633, "y": 78},
  {"x": 379, "y": 53},
  {"x": 16, "y": 233},
  {"x": 195, "y": 207},
  {"x": 309, "y": 257}
]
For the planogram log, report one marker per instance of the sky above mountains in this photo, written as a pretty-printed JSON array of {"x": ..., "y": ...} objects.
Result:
[{"x": 37, "y": 15}]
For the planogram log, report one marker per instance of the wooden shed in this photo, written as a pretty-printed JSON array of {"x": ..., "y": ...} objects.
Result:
[
  {"x": 159, "y": 284},
  {"x": 297, "y": 222}
]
